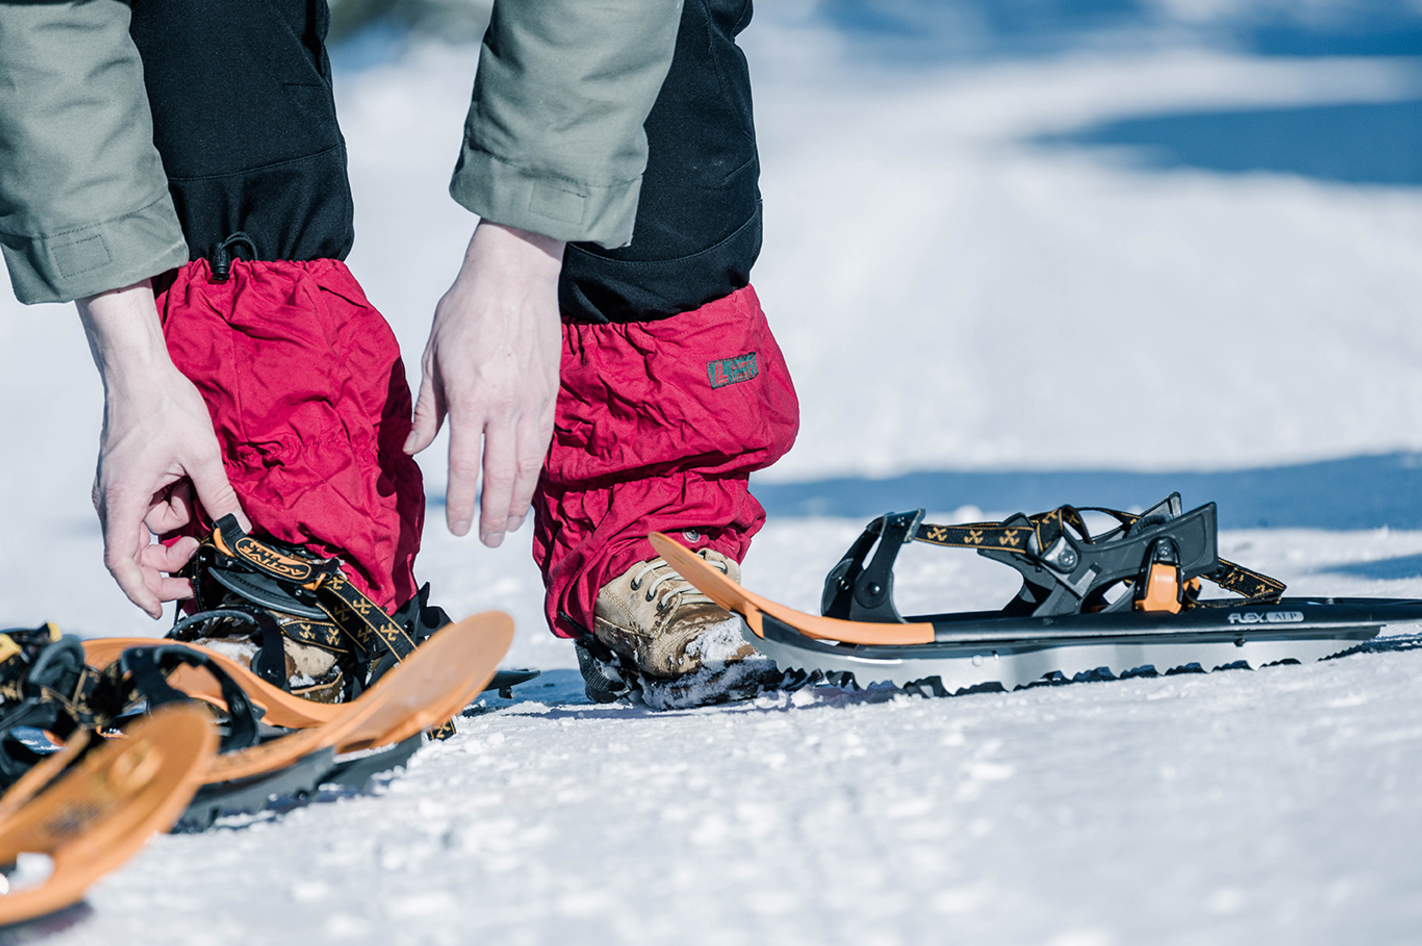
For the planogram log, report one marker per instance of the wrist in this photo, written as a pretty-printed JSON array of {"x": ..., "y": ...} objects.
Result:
[
  {"x": 124, "y": 331},
  {"x": 524, "y": 250}
]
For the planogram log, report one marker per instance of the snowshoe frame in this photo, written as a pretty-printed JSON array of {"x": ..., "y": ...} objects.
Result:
[{"x": 1062, "y": 624}]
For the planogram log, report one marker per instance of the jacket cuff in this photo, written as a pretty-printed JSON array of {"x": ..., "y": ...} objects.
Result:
[
  {"x": 62, "y": 267},
  {"x": 542, "y": 203}
]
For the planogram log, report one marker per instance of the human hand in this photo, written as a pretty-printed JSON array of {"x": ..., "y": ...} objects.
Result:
[
  {"x": 157, "y": 449},
  {"x": 491, "y": 365}
]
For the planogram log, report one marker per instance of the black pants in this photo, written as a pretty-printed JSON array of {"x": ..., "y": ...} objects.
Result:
[
  {"x": 698, "y": 228},
  {"x": 244, "y": 119},
  {"x": 245, "y": 122}
]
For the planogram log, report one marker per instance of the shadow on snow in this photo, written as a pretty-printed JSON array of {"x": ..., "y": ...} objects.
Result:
[
  {"x": 1377, "y": 143},
  {"x": 908, "y": 33},
  {"x": 1388, "y": 569}
]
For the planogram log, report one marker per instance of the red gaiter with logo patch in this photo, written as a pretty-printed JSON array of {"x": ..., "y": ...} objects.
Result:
[
  {"x": 307, "y": 393},
  {"x": 659, "y": 426}
]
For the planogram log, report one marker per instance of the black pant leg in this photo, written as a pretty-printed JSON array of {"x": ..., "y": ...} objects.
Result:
[
  {"x": 698, "y": 227},
  {"x": 245, "y": 121}
]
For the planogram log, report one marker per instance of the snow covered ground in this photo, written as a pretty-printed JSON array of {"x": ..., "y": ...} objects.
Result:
[{"x": 959, "y": 284}]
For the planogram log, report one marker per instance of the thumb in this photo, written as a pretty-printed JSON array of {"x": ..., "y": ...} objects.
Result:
[
  {"x": 215, "y": 493},
  {"x": 429, "y": 415}
]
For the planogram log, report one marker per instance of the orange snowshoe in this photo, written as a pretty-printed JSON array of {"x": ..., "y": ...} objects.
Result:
[
  {"x": 91, "y": 805},
  {"x": 279, "y": 745}
]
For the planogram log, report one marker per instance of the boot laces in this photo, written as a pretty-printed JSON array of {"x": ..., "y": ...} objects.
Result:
[{"x": 675, "y": 584}]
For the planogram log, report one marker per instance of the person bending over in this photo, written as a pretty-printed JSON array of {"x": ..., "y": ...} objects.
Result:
[{"x": 181, "y": 174}]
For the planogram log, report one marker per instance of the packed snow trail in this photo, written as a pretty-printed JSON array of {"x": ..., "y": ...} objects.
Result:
[{"x": 1233, "y": 807}]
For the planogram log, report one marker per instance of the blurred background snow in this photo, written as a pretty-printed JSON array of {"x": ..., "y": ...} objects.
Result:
[{"x": 1033, "y": 236}]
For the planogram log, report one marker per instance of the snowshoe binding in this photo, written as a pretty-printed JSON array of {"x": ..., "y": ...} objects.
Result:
[
  {"x": 433, "y": 684},
  {"x": 299, "y": 745},
  {"x": 54, "y": 692},
  {"x": 1123, "y": 603},
  {"x": 658, "y": 640},
  {"x": 276, "y": 742},
  {"x": 294, "y": 617}
]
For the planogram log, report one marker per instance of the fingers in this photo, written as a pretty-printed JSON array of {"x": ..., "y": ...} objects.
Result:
[
  {"x": 534, "y": 435},
  {"x": 213, "y": 490},
  {"x": 464, "y": 441},
  {"x": 136, "y": 564},
  {"x": 172, "y": 509},
  {"x": 172, "y": 589},
  {"x": 124, "y": 540},
  {"x": 131, "y": 580},
  {"x": 511, "y": 462},
  {"x": 429, "y": 414},
  {"x": 156, "y": 559},
  {"x": 500, "y": 473},
  {"x": 168, "y": 558}
]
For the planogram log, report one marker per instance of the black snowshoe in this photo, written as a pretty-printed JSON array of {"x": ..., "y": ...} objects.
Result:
[{"x": 1120, "y": 604}]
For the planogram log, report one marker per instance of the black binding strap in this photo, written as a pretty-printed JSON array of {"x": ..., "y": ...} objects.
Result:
[
  {"x": 1064, "y": 568},
  {"x": 1046, "y": 527},
  {"x": 142, "y": 673},
  {"x": 364, "y": 628},
  {"x": 270, "y": 661}
]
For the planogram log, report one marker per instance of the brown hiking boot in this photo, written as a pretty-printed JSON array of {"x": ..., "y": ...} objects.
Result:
[{"x": 686, "y": 649}]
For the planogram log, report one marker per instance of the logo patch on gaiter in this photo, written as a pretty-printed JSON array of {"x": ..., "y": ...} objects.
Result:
[{"x": 731, "y": 370}]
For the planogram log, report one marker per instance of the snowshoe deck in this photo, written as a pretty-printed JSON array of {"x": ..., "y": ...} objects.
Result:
[
  {"x": 98, "y": 812},
  {"x": 433, "y": 684},
  {"x": 1063, "y": 624},
  {"x": 280, "y": 707}
]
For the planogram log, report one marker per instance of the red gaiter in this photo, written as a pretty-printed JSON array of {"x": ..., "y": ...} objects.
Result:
[
  {"x": 659, "y": 426},
  {"x": 307, "y": 393}
]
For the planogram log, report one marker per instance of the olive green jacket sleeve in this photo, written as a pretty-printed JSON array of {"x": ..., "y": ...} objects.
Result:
[
  {"x": 84, "y": 203},
  {"x": 554, "y": 141}
]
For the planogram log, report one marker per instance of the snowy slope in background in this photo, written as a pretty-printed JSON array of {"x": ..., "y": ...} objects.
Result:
[
  {"x": 951, "y": 294},
  {"x": 959, "y": 284}
]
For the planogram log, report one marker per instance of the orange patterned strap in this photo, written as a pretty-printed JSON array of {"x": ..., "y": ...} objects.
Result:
[
  {"x": 361, "y": 619},
  {"x": 1045, "y": 527}
]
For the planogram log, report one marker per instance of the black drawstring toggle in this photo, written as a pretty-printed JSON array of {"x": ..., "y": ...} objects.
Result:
[{"x": 223, "y": 255}]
